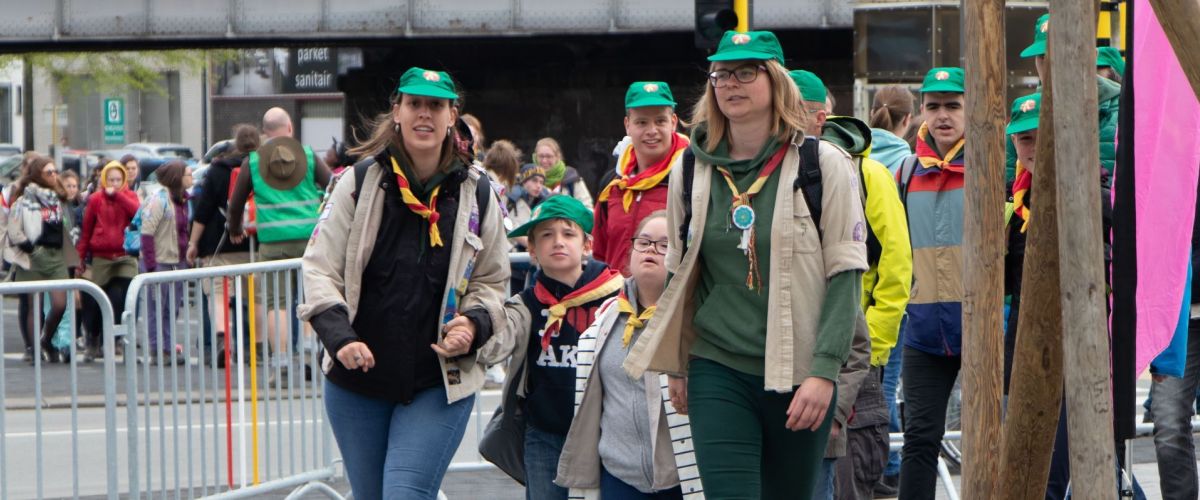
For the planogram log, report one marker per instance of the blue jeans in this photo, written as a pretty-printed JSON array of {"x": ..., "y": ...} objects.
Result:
[
  {"x": 542, "y": 450},
  {"x": 824, "y": 489},
  {"x": 891, "y": 381},
  {"x": 612, "y": 488},
  {"x": 393, "y": 450}
]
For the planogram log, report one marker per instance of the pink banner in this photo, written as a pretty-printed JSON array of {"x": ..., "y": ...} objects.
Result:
[{"x": 1167, "y": 158}]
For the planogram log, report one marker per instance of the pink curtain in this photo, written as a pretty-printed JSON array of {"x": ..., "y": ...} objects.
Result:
[{"x": 1167, "y": 158}]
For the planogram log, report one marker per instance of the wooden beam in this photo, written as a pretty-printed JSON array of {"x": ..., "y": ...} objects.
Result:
[
  {"x": 1180, "y": 20},
  {"x": 1072, "y": 38},
  {"x": 983, "y": 245},
  {"x": 1035, "y": 389}
]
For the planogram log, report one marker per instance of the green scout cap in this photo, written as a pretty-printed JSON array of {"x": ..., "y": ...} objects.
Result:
[
  {"x": 1038, "y": 47},
  {"x": 646, "y": 94},
  {"x": 810, "y": 85},
  {"x": 944, "y": 80},
  {"x": 1025, "y": 114},
  {"x": 1110, "y": 57},
  {"x": 755, "y": 45},
  {"x": 559, "y": 206},
  {"x": 423, "y": 82}
]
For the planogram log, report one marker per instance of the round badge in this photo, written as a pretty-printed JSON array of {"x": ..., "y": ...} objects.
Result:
[{"x": 743, "y": 217}]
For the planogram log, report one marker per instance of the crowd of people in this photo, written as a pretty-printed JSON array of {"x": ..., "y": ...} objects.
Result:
[
  {"x": 759, "y": 281},
  {"x": 773, "y": 325}
]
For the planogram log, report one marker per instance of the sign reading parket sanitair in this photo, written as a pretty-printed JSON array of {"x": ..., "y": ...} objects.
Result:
[
  {"x": 311, "y": 70},
  {"x": 114, "y": 120}
]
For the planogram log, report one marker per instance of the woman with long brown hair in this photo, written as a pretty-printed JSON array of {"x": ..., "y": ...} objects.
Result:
[
  {"x": 758, "y": 318},
  {"x": 164, "y": 248},
  {"x": 404, "y": 283},
  {"x": 891, "y": 121},
  {"x": 39, "y": 233}
]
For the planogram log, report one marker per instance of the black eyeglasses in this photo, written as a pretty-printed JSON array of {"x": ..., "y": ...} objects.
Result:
[
  {"x": 746, "y": 73},
  {"x": 644, "y": 245}
]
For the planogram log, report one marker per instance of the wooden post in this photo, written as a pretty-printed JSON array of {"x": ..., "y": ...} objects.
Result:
[
  {"x": 983, "y": 245},
  {"x": 1180, "y": 20},
  {"x": 1072, "y": 38},
  {"x": 1035, "y": 389}
]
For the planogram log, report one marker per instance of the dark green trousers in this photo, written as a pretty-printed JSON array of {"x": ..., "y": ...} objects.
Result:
[{"x": 743, "y": 449}]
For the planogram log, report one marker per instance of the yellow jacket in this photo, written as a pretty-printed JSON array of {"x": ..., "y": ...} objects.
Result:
[{"x": 887, "y": 284}]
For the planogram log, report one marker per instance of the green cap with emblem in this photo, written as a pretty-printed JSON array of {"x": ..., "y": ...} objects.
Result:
[
  {"x": 1110, "y": 57},
  {"x": 944, "y": 80},
  {"x": 646, "y": 94},
  {"x": 1040, "y": 29},
  {"x": 559, "y": 206},
  {"x": 751, "y": 45},
  {"x": 1025, "y": 114},
  {"x": 810, "y": 85},
  {"x": 428, "y": 83}
]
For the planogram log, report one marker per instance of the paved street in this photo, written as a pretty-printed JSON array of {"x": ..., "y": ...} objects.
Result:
[{"x": 296, "y": 425}]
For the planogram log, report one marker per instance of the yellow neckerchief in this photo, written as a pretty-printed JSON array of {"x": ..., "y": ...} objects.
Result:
[
  {"x": 429, "y": 212},
  {"x": 635, "y": 320},
  {"x": 932, "y": 161},
  {"x": 648, "y": 179}
]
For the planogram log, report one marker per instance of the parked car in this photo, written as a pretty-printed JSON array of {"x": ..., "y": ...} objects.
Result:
[
  {"x": 10, "y": 169},
  {"x": 7, "y": 150},
  {"x": 164, "y": 150}
]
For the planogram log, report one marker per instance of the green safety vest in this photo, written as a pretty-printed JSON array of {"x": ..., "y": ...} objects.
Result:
[{"x": 285, "y": 215}]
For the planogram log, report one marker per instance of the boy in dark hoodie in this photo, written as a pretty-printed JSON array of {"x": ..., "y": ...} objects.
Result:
[{"x": 560, "y": 304}]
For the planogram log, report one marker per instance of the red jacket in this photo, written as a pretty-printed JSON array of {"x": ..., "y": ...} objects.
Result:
[
  {"x": 614, "y": 228},
  {"x": 104, "y": 223}
]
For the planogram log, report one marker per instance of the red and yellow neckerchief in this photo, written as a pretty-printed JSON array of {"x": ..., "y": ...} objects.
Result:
[
  {"x": 635, "y": 320},
  {"x": 744, "y": 200},
  {"x": 608, "y": 282},
  {"x": 1020, "y": 189},
  {"x": 648, "y": 178},
  {"x": 929, "y": 158},
  {"x": 429, "y": 212}
]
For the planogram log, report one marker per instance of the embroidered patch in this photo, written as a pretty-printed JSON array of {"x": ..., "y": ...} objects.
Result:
[
  {"x": 650, "y": 87},
  {"x": 740, "y": 39},
  {"x": 432, "y": 76},
  {"x": 860, "y": 232},
  {"x": 1045, "y": 26},
  {"x": 1028, "y": 106},
  {"x": 942, "y": 75}
]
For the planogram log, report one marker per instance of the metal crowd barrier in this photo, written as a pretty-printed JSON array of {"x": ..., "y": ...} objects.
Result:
[
  {"x": 40, "y": 470},
  {"x": 256, "y": 426}
]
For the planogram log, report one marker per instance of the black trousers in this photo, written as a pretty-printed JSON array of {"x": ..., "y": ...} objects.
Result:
[{"x": 928, "y": 381}]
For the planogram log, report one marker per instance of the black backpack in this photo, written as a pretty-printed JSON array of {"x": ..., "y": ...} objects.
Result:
[{"x": 808, "y": 180}]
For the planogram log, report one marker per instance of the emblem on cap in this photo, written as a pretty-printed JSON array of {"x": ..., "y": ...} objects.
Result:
[
  {"x": 537, "y": 211},
  {"x": 432, "y": 76},
  {"x": 1028, "y": 106},
  {"x": 942, "y": 75},
  {"x": 650, "y": 87},
  {"x": 1045, "y": 26},
  {"x": 740, "y": 39}
]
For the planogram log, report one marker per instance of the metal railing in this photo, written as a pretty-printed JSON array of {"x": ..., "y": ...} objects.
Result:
[
  {"x": 257, "y": 425},
  {"x": 17, "y": 475}
]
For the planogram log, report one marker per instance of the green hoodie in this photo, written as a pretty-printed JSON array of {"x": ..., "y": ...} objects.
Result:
[{"x": 731, "y": 320}]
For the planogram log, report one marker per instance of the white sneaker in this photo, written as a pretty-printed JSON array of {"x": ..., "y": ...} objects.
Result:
[{"x": 495, "y": 374}]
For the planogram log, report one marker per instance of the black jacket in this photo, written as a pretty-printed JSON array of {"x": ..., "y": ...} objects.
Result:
[
  {"x": 213, "y": 198},
  {"x": 403, "y": 283}
]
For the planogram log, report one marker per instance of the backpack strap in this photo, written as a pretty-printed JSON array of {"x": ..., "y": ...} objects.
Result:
[
  {"x": 906, "y": 174},
  {"x": 689, "y": 172},
  {"x": 483, "y": 190},
  {"x": 808, "y": 179},
  {"x": 874, "y": 247},
  {"x": 360, "y": 174}
]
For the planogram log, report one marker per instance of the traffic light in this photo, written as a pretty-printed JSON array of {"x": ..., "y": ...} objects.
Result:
[{"x": 713, "y": 19}]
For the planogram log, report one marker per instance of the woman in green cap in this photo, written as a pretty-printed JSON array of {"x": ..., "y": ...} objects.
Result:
[
  {"x": 758, "y": 318},
  {"x": 404, "y": 282}
]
